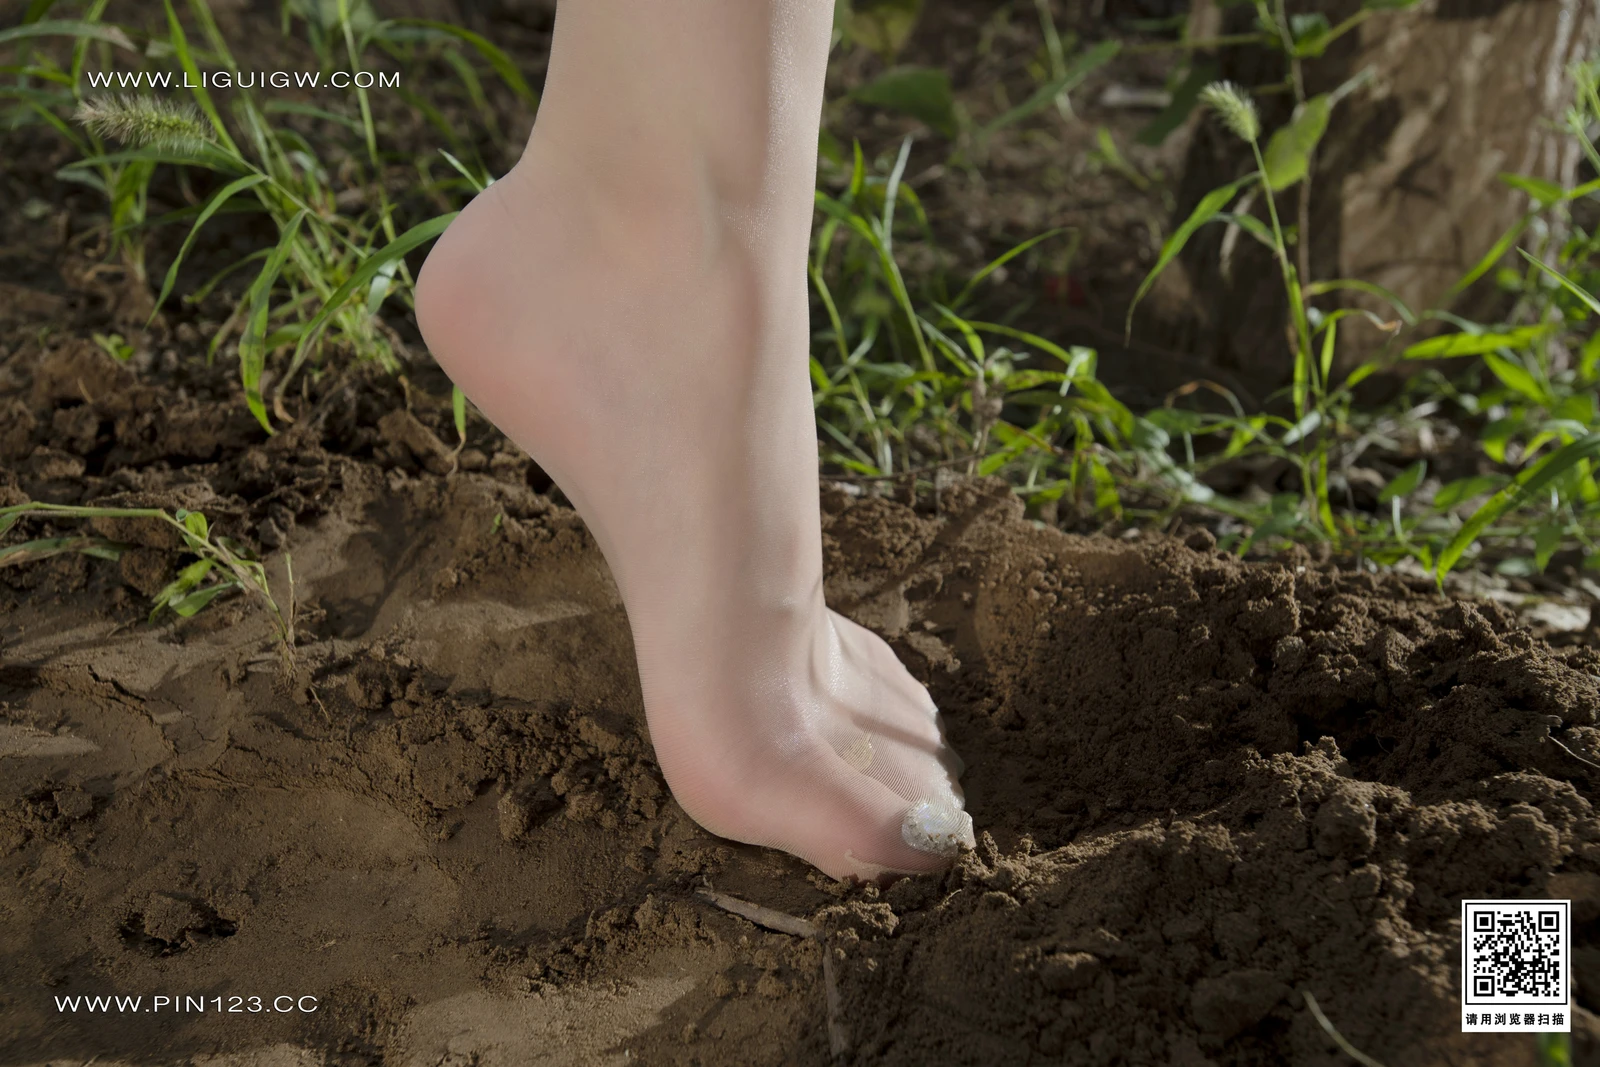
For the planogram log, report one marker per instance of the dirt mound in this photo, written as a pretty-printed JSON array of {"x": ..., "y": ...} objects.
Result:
[{"x": 1211, "y": 786}]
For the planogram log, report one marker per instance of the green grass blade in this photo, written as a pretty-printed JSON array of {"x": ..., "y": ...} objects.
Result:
[
  {"x": 821, "y": 387},
  {"x": 1572, "y": 287},
  {"x": 72, "y": 136},
  {"x": 832, "y": 309},
  {"x": 1289, "y": 151},
  {"x": 180, "y": 48},
  {"x": 186, "y": 580},
  {"x": 1184, "y": 97},
  {"x": 1324, "y": 505},
  {"x": 1405, "y": 483},
  {"x": 1001, "y": 260},
  {"x": 202, "y": 157},
  {"x": 68, "y": 28},
  {"x": 1578, "y": 192},
  {"x": 79, "y": 511},
  {"x": 1297, "y": 308},
  {"x": 1491, "y": 257},
  {"x": 1451, "y": 345},
  {"x": 1252, "y": 226},
  {"x": 364, "y": 103},
  {"x": 1555, "y": 1050},
  {"x": 1328, "y": 341},
  {"x": 1518, "y": 379},
  {"x": 869, "y": 231},
  {"x": 1407, "y": 316},
  {"x": 469, "y": 81},
  {"x": 461, "y": 168},
  {"x": 921, "y": 92},
  {"x": 42, "y": 97},
  {"x": 1461, "y": 489},
  {"x": 223, "y": 195},
  {"x": 80, "y": 47},
  {"x": 498, "y": 61},
  {"x": 1302, "y": 375},
  {"x": 1079, "y": 368},
  {"x": 252, "y": 345},
  {"x": 1048, "y": 346},
  {"x": 221, "y": 276},
  {"x": 1523, "y": 487},
  {"x": 1203, "y": 212},
  {"x": 1084, "y": 64},
  {"x": 891, "y": 194},
  {"x": 952, "y": 351},
  {"x": 294, "y": 107},
  {"x": 194, "y": 521},
  {"x": 974, "y": 342},
  {"x": 211, "y": 32},
  {"x": 458, "y": 411},
  {"x": 188, "y": 212},
  {"x": 45, "y": 547},
  {"x": 412, "y": 238},
  {"x": 189, "y": 605},
  {"x": 825, "y": 237},
  {"x": 1545, "y": 542},
  {"x": 1543, "y": 193},
  {"x": 37, "y": 10}
]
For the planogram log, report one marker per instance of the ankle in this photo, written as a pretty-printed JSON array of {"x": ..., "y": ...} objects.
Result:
[
  {"x": 644, "y": 205},
  {"x": 666, "y": 209}
]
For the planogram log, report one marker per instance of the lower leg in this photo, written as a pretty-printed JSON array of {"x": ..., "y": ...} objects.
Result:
[
  {"x": 629, "y": 304},
  {"x": 715, "y": 102}
]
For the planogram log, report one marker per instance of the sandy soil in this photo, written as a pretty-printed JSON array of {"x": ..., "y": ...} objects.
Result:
[{"x": 1202, "y": 786}]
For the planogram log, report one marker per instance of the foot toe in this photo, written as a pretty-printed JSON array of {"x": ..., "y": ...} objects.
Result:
[
  {"x": 856, "y": 826},
  {"x": 938, "y": 825}
]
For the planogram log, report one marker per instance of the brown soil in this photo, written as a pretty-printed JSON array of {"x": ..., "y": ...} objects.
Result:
[{"x": 1203, "y": 786}]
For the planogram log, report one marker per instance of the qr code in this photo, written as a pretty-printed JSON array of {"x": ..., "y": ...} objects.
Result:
[{"x": 1515, "y": 952}]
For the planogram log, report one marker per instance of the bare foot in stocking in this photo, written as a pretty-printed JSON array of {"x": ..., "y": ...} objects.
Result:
[{"x": 629, "y": 305}]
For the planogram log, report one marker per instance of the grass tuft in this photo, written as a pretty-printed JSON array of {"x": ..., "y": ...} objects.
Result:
[
  {"x": 145, "y": 122},
  {"x": 223, "y": 565},
  {"x": 1235, "y": 108}
]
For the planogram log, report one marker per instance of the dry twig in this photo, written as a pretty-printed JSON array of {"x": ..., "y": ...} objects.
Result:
[
  {"x": 782, "y": 922},
  {"x": 1574, "y": 755},
  {"x": 838, "y": 1042},
  {"x": 1338, "y": 1038},
  {"x": 785, "y": 923}
]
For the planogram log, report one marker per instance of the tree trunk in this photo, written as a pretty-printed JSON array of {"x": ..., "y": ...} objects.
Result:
[{"x": 1405, "y": 190}]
